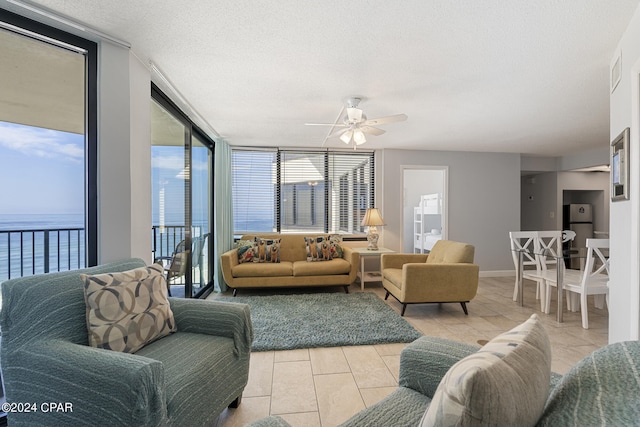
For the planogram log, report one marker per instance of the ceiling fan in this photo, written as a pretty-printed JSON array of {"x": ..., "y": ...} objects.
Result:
[{"x": 355, "y": 124}]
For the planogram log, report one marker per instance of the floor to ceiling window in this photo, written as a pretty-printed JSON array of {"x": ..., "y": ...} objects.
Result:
[
  {"x": 182, "y": 183},
  {"x": 48, "y": 207}
]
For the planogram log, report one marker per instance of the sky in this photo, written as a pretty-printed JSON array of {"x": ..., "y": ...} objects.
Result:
[{"x": 41, "y": 170}]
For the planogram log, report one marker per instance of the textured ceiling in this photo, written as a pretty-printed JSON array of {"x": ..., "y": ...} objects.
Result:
[{"x": 505, "y": 76}]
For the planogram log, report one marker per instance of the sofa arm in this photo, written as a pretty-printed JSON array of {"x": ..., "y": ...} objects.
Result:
[
  {"x": 398, "y": 260},
  {"x": 228, "y": 260},
  {"x": 225, "y": 319},
  {"x": 424, "y": 362},
  {"x": 97, "y": 386},
  {"x": 353, "y": 257}
]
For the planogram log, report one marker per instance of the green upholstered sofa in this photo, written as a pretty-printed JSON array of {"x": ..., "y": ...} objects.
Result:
[
  {"x": 601, "y": 389},
  {"x": 186, "y": 378},
  {"x": 293, "y": 270}
]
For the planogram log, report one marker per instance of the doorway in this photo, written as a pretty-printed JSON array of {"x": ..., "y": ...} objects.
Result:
[{"x": 424, "y": 207}]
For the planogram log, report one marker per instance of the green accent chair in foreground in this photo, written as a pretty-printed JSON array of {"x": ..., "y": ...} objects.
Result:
[
  {"x": 187, "y": 378},
  {"x": 601, "y": 389}
]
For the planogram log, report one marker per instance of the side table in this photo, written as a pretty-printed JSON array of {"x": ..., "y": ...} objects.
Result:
[{"x": 371, "y": 276}]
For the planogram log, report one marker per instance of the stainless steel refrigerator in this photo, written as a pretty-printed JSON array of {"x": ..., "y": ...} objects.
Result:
[{"x": 578, "y": 217}]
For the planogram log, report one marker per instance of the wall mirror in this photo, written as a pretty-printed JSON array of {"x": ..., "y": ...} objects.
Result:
[
  {"x": 620, "y": 167},
  {"x": 424, "y": 207}
]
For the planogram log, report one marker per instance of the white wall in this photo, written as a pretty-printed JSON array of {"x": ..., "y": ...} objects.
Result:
[
  {"x": 624, "y": 294},
  {"x": 484, "y": 200},
  {"x": 539, "y": 208},
  {"x": 124, "y": 164},
  {"x": 140, "y": 146},
  {"x": 594, "y": 157}
]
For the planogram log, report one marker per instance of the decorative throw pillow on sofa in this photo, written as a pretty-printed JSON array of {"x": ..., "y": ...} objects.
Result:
[
  {"x": 127, "y": 310},
  {"x": 505, "y": 383},
  {"x": 334, "y": 242},
  {"x": 318, "y": 248},
  {"x": 245, "y": 250},
  {"x": 266, "y": 250}
]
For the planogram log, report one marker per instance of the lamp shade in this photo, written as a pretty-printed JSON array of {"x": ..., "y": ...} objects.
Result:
[
  {"x": 346, "y": 137},
  {"x": 372, "y": 218},
  {"x": 358, "y": 137}
]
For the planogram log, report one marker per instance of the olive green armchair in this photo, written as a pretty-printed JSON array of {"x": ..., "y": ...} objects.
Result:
[{"x": 446, "y": 274}]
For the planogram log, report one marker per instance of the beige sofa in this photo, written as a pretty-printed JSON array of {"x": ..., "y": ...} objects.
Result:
[{"x": 293, "y": 270}]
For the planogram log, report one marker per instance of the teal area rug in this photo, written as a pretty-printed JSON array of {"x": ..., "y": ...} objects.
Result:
[{"x": 286, "y": 322}]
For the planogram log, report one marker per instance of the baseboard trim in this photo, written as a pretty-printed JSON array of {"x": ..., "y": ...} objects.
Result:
[{"x": 497, "y": 273}]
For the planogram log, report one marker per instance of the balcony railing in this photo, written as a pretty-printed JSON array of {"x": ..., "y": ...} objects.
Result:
[
  {"x": 29, "y": 252},
  {"x": 167, "y": 237}
]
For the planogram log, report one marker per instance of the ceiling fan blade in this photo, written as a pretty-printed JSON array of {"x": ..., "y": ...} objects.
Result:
[
  {"x": 334, "y": 126},
  {"x": 372, "y": 131},
  {"x": 386, "y": 119}
]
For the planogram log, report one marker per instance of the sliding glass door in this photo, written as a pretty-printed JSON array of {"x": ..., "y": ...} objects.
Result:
[
  {"x": 182, "y": 171},
  {"x": 202, "y": 205}
]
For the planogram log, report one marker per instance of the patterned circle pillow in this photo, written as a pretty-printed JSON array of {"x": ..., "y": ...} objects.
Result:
[
  {"x": 505, "y": 383},
  {"x": 127, "y": 310}
]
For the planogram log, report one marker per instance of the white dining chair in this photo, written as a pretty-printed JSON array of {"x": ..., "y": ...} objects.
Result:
[
  {"x": 594, "y": 280},
  {"x": 525, "y": 240},
  {"x": 550, "y": 243}
]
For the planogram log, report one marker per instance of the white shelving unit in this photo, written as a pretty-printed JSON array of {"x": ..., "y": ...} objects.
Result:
[{"x": 427, "y": 216}]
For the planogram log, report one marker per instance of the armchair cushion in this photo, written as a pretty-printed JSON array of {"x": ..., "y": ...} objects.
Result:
[
  {"x": 505, "y": 383},
  {"x": 450, "y": 251},
  {"x": 127, "y": 310}
]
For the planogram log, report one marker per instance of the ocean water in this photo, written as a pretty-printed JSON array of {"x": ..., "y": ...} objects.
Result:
[
  {"x": 40, "y": 221},
  {"x": 22, "y": 243}
]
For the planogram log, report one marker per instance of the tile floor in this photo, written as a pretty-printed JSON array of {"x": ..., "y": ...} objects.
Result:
[{"x": 326, "y": 386}]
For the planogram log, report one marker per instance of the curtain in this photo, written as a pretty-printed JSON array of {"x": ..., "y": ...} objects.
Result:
[{"x": 223, "y": 210}]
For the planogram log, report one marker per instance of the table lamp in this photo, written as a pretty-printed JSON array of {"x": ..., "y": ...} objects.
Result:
[{"x": 372, "y": 219}]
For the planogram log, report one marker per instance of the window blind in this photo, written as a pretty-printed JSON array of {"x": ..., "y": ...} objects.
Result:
[
  {"x": 315, "y": 191},
  {"x": 254, "y": 190}
]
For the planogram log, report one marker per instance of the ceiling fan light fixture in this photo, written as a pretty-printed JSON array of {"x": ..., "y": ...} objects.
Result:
[
  {"x": 346, "y": 136},
  {"x": 352, "y": 124},
  {"x": 354, "y": 115},
  {"x": 358, "y": 137}
]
